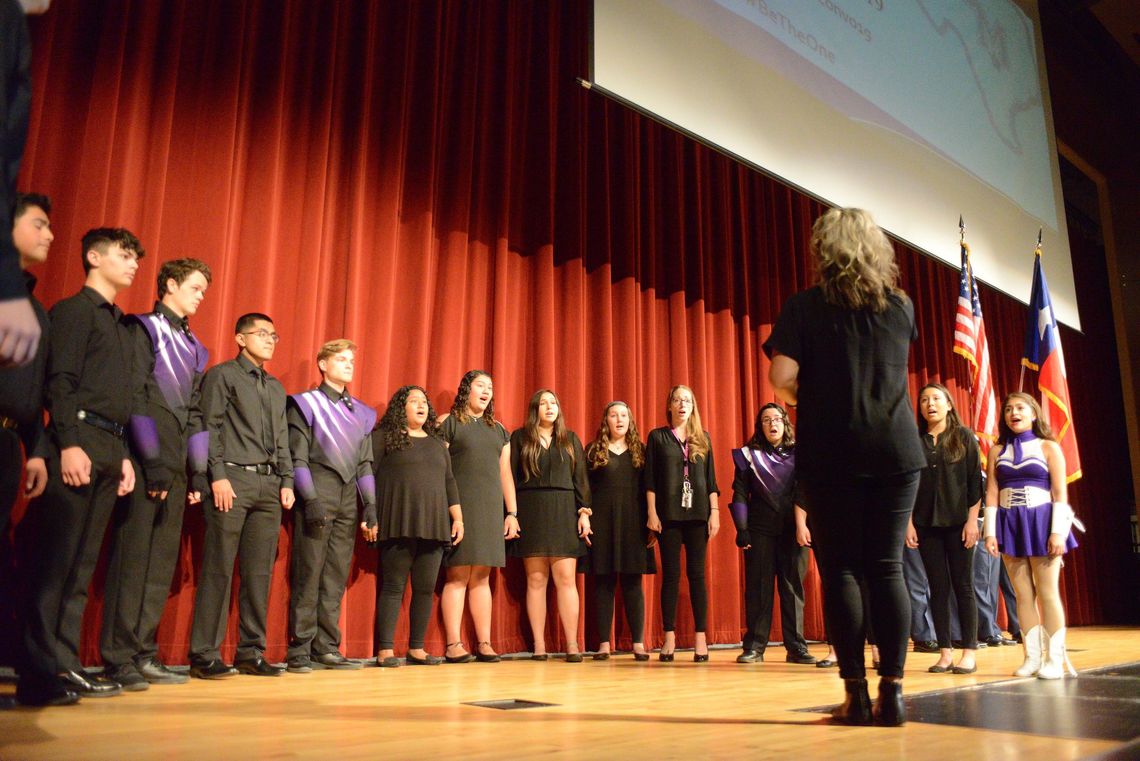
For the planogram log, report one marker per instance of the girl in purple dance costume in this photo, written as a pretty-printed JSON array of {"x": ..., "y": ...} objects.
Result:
[{"x": 1028, "y": 518}]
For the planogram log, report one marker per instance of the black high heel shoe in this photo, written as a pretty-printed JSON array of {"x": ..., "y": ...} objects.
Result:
[
  {"x": 856, "y": 707},
  {"x": 890, "y": 710},
  {"x": 665, "y": 657},
  {"x": 700, "y": 657},
  {"x": 641, "y": 656}
]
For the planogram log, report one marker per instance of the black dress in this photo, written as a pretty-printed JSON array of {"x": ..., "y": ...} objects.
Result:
[
  {"x": 548, "y": 503},
  {"x": 475, "y": 448},
  {"x": 619, "y": 520},
  {"x": 414, "y": 488}
]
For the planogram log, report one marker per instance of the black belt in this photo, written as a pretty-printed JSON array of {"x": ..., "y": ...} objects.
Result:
[
  {"x": 9, "y": 423},
  {"x": 264, "y": 469},
  {"x": 102, "y": 423}
]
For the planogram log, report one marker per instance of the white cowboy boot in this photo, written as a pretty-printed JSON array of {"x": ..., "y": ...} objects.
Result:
[
  {"x": 1031, "y": 642},
  {"x": 1057, "y": 662}
]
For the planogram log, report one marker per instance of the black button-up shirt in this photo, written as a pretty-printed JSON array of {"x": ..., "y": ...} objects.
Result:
[
  {"x": 242, "y": 408},
  {"x": 90, "y": 364},
  {"x": 947, "y": 489}
]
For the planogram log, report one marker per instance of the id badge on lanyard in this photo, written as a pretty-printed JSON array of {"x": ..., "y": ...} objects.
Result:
[{"x": 686, "y": 485}]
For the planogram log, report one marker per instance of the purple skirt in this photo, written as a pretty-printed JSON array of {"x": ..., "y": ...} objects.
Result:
[{"x": 1023, "y": 532}]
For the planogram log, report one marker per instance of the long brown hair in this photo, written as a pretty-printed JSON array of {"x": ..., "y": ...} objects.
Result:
[
  {"x": 954, "y": 436},
  {"x": 598, "y": 452},
  {"x": 760, "y": 441},
  {"x": 532, "y": 444},
  {"x": 1041, "y": 429},
  {"x": 459, "y": 407},
  {"x": 694, "y": 433},
  {"x": 854, "y": 260}
]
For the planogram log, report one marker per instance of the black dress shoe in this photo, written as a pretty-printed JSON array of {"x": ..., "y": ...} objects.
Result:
[
  {"x": 802, "y": 657},
  {"x": 856, "y": 706},
  {"x": 927, "y": 646},
  {"x": 751, "y": 656},
  {"x": 665, "y": 657},
  {"x": 336, "y": 661},
  {"x": 155, "y": 672},
  {"x": 998, "y": 642},
  {"x": 601, "y": 656},
  {"x": 258, "y": 667},
  {"x": 215, "y": 669},
  {"x": 641, "y": 656},
  {"x": 299, "y": 664},
  {"x": 890, "y": 710},
  {"x": 40, "y": 693},
  {"x": 128, "y": 676},
  {"x": 89, "y": 687},
  {"x": 700, "y": 657},
  {"x": 825, "y": 663},
  {"x": 430, "y": 660}
]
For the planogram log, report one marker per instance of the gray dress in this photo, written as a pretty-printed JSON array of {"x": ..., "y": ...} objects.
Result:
[{"x": 475, "y": 448}]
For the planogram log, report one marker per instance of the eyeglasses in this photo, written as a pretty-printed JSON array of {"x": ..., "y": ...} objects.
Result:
[
  {"x": 264, "y": 335},
  {"x": 770, "y": 420}
]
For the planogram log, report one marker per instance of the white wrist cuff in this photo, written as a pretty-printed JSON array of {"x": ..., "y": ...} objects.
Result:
[
  {"x": 1064, "y": 519},
  {"x": 989, "y": 521}
]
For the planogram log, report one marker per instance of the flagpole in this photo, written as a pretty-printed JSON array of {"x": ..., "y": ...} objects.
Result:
[{"x": 1037, "y": 254}]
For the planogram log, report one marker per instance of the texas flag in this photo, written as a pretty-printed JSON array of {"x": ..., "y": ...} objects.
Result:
[{"x": 1043, "y": 354}]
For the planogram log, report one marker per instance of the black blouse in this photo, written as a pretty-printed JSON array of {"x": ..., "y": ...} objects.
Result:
[
  {"x": 947, "y": 489},
  {"x": 665, "y": 472},
  {"x": 555, "y": 469},
  {"x": 414, "y": 489},
  {"x": 854, "y": 418}
]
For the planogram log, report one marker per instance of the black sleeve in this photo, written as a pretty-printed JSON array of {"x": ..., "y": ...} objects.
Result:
[
  {"x": 786, "y": 335},
  {"x": 582, "y": 496},
  {"x": 973, "y": 459},
  {"x": 711, "y": 468},
  {"x": 649, "y": 479},
  {"x": 70, "y": 328},
  {"x": 15, "y": 102}
]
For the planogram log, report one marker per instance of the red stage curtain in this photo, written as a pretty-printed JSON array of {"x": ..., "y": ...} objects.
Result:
[{"x": 429, "y": 179}]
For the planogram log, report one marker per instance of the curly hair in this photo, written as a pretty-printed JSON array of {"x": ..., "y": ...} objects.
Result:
[
  {"x": 598, "y": 451},
  {"x": 694, "y": 432},
  {"x": 760, "y": 441},
  {"x": 394, "y": 424},
  {"x": 1041, "y": 428},
  {"x": 955, "y": 433},
  {"x": 532, "y": 444},
  {"x": 463, "y": 393},
  {"x": 854, "y": 260}
]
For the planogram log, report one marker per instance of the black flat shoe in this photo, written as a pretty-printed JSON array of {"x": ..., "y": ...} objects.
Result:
[
  {"x": 258, "y": 667},
  {"x": 336, "y": 661},
  {"x": 641, "y": 656},
  {"x": 574, "y": 658},
  {"x": 700, "y": 657},
  {"x": 936, "y": 669},
  {"x": 751, "y": 656},
  {"x": 430, "y": 660},
  {"x": 215, "y": 669},
  {"x": 856, "y": 706},
  {"x": 391, "y": 662},
  {"x": 601, "y": 656},
  {"x": 465, "y": 658},
  {"x": 962, "y": 670},
  {"x": 540, "y": 657},
  {"x": 89, "y": 687},
  {"x": 890, "y": 710},
  {"x": 825, "y": 663}
]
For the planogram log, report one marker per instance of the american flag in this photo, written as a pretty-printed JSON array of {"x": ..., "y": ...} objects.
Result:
[{"x": 970, "y": 342}]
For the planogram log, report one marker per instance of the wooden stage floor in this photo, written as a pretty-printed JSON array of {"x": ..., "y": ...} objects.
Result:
[{"x": 601, "y": 710}]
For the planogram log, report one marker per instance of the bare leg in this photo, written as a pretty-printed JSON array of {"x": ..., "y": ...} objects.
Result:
[
  {"x": 1046, "y": 573},
  {"x": 1021, "y": 576},
  {"x": 451, "y": 605},
  {"x": 479, "y": 600},
  {"x": 564, "y": 572},
  {"x": 537, "y": 578}
]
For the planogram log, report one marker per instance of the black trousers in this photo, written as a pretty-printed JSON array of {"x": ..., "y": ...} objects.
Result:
[
  {"x": 319, "y": 567},
  {"x": 949, "y": 566},
  {"x": 146, "y": 536},
  {"x": 633, "y": 599},
  {"x": 11, "y": 471},
  {"x": 399, "y": 558},
  {"x": 66, "y": 536},
  {"x": 859, "y": 528},
  {"x": 694, "y": 535},
  {"x": 248, "y": 532},
  {"x": 779, "y": 559}
]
